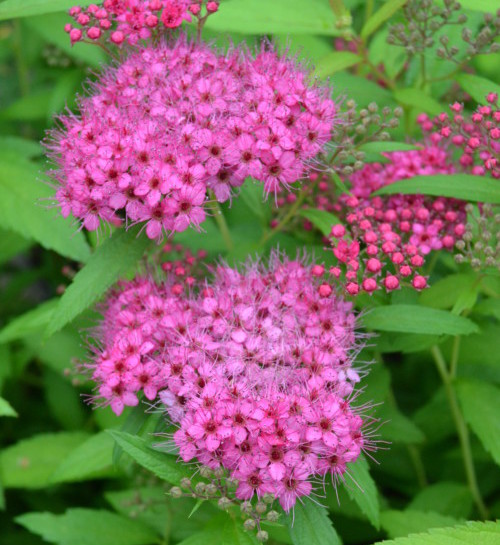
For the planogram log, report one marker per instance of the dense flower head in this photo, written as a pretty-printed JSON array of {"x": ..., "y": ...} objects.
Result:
[
  {"x": 386, "y": 238},
  {"x": 254, "y": 367},
  {"x": 476, "y": 136},
  {"x": 170, "y": 122},
  {"x": 127, "y": 21}
]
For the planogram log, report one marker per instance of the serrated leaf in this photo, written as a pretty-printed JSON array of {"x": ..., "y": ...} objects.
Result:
[
  {"x": 310, "y": 525},
  {"x": 88, "y": 527},
  {"x": 418, "y": 319},
  {"x": 447, "y": 498},
  {"x": 91, "y": 459},
  {"x": 321, "y": 219},
  {"x": 470, "y": 533},
  {"x": 161, "y": 464},
  {"x": 29, "y": 322},
  {"x": 278, "y": 16},
  {"x": 480, "y": 403},
  {"x": 418, "y": 99},
  {"x": 106, "y": 265},
  {"x": 362, "y": 489},
  {"x": 402, "y": 523},
  {"x": 30, "y": 463},
  {"x": 444, "y": 293},
  {"x": 6, "y": 408},
  {"x": 387, "y": 10},
  {"x": 458, "y": 186},
  {"x": 335, "y": 62},
  {"x": 477, "y": 86},
  {"x": 11, "y": 9},
  {"x": 22, "y": 210}
]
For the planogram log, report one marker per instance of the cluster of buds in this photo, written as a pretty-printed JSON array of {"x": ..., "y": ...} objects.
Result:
[
  {"x": 217, "y": 486},
  {"x": 476, "y": 137},
  {"x": 480, "y": 245},
  {"x": 129, "y": 21}
]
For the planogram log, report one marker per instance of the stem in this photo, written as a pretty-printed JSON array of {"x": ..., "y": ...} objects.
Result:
[
  {"x": 22, "y": 70},
  {"x": 375, "y": 71},
  {"x": 368, "y": 9},
  {"x": 462, "y": 431},
  {"x": 220, "y": 220},
  {"x": 199, "y": 27},
  {"x": 454, "y": 357},
  {"x": 416, "y": 459}
]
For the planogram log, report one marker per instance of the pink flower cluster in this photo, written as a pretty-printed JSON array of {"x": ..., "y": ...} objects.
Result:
[
  {"x": 477, "y": 137},
  {"x": 386, "y": 238},
  {"x": 256, "y": 370},
  {"x": 127, "y": 20},
  {"x": 171, "y": 122}
]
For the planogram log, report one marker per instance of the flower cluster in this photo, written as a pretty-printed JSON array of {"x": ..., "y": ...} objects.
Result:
[
  {"x": 387, "y": 238},
  {"x": 173, "y": 121},
  {"x": 476, "y": 137},
  {"x": 128, "y": 21},
  {"x": 255, "y": 369}
]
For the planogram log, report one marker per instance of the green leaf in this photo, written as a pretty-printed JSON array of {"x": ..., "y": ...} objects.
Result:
[
  {"x": 310, "y": 525},
  {"x": 486, "y": 6},
  {"x": 386, "y": 147},
  {"x": 6, "y": 408},
  {"x": 444, "y": 293},
  {"x": 12, "y": 244},
  {"x": 252, "y": 194},
  {"x": 470, "y": 533},
  {"x": 10, "y": 9},
  {"x": 322, "y": 219},
  {"x": 387, "y": 10},
  {"x": 459, "y": 186},
  {"x": 90, "y": 460},
  {"x": 480, "y": 403},
  {"x": 334, "y": 62},
  {"x": 398, "y": 428},
  {"x": 418, "y": 319},
  {"x": 278, "y": 16},
  {"x": 30, "y": 463},
  {"x": 418, "y": 99},
  {"x": 23, "y": 146},
  {"x": 107, "y": 264},
  {"x": 477, "y": 87},
  {"x": 161, "y": 464},
  {"x": 28, "y": 323},
  {"x": 23, "y": 211},
  {"x": 447, "y": 498},
  {"x": 402, "y": 523},
  {"x": 28, "y": 108},
  {"x": 88, "y": 527},
  {"x": 362, "y": 489}
]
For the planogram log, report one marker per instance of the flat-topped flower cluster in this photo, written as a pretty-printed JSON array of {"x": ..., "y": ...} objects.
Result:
[
  {"x": 175, "y": 120},
  {"x": 254, "y": 367}
]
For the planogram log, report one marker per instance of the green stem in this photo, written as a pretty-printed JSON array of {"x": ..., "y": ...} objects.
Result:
[
  {"x": 462, "y": 431},
  {"x": 368, "y": 9},
  {"x": 416, "y": 459},
  {"x": 455, "y": 351},
  {"x": 22, "y": 70},
  {"x": 220, "y": 220}
]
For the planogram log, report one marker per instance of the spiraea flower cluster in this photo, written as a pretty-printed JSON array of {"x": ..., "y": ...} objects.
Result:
[
  {"x": 129, "y": 21},
  {"x": 386, "y": 238},
  {"x": 476, "y": 137},
  {"x": 173, "y": 121},
  {"x": 256, "y": 369}
]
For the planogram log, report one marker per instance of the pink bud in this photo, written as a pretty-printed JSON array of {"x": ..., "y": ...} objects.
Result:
[
  {"x": 195, "y": 9},
  {"x": 456, "y": 107},
  {"x": 474, "y": 142},
  {"x": 177, "y": 289},
  {"x": 398, "y": 258},
  {"x": 492, "y": 98},
  {"x": 352, "y": 288},
  {"x": 154, "y": 5},
  {"x": 417, "y": 260},
  {"x": 391, "y": 282},
  {"x": 94, "y": 33},
  {"x": 338, "y": 231},
  {"x": 212, "y": 7},
  {"x": 318, "y": 270},
  {"x": 495, "y": 133},
  {"x": 335, "y": 271},
  {"x": 325, "y": 290},
  {"x": 75, "y": 10},
  {"x": 105, "y": 24},
  {"x": 405, "y": 270},
  {"x": 369, "y": 285},
  {"x": 75, "y": 35},
  {"x": 83, "y": 19},
  {"x": 419, "y": 282},
  {"x": 208, "y": 292},
  {"x": 373, "y": 265},
  {"x": 151, "y": 21},
  {"x": 448, "y": 241},
  {"x": 117, "y": 37},
  {"x": 93, "y": 8},
  {"x": 67, "y": 28}
]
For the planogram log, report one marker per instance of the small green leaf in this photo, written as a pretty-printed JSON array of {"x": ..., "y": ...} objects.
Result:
[
  {"x": 107, "y": 264},
  {"x": 362, "y": 489},
  {"x": 11, "y": 9},
  {"x": 418, "y": 319},
  {"x": 477, "y": 87},
  {"x": 28, "y": 108},
  {"x": 402, "y": 523},
  {"x": 480, "y": 403},
  {"x": 6, "y": 408},
  {"x": 28, "y": 323},
  {"x": 398, "y": 428},
  {"x": 30, "y": 463},
  {"x": 23, "y": 146},
  {"x": 310, "y": 525},
  {"x": 90, "y": 460},
  {"x": 447, "y": 498},
  {"x": 418, "y": 99},
  {"x": 387, "y": 10},
  {"x": 444, "y": 293},
  {"x": 88, "y": 527},
  {"x": 387, "y": 147},
  {"x": 161, "y": 464},
  {"x": 470, "y": 533},
  {"x": 335, "y": 62},
  {"x": 278, "y": 16},
  {"x": 458, "y": 186},
  {"x": 322, "y": 219}
]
